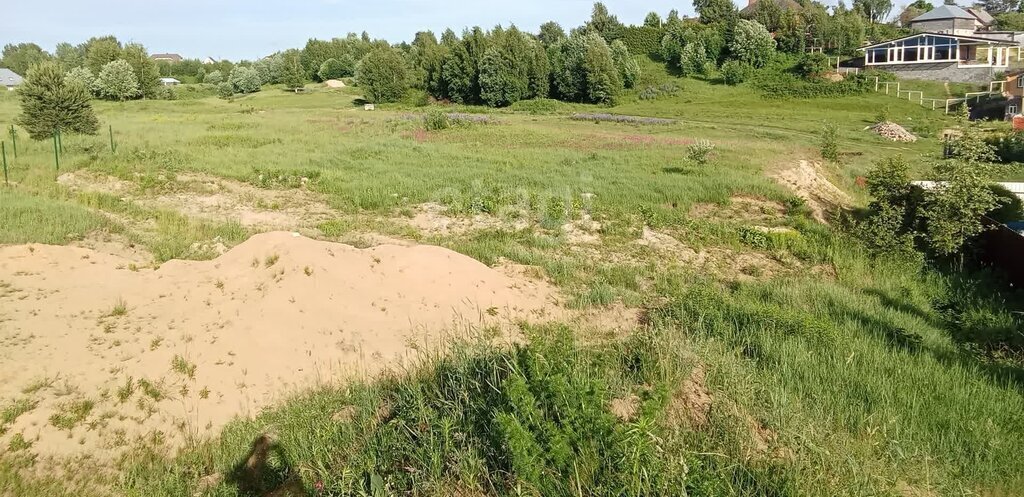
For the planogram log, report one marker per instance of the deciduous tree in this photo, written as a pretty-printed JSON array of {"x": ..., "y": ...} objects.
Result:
[
  {"x": 21, "y": 57},
  {"x": 382, "y": 76},
  {"x": 116, "y": 81}
]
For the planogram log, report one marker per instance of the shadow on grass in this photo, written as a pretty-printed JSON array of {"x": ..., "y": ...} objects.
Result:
[
  {"x": 265, "y": 471},
  {"x": 678, "y": 170}
]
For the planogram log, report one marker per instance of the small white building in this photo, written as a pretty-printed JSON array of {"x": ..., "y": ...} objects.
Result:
[
  {"x": 209, "y": 60},
  {"x": 169, "y": 82}
]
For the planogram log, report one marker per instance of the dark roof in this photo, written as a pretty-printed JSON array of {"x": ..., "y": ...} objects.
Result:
[
  {"x": 943, "y": 12},
  {"x": 783, "y": 4},
  {"x": 926, "y": 33},
  {"x": 982, "y": 16},
  {"x": 9, "y": 78}
]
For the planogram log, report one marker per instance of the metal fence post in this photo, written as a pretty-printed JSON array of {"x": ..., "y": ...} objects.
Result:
[
  {"x": 56, "y": 152},
  {"x": 14, "y": 141},
  {"x": 3, "y": 152}
]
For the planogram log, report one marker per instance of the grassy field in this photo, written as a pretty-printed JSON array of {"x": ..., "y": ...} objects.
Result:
[{"x": 795, "y": 363}]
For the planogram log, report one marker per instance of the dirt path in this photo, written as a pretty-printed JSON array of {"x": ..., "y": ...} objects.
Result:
[{"x": 100, "y": 354}]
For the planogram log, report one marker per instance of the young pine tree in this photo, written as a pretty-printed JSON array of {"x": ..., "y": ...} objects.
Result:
[{"x": 48, "y": 104}]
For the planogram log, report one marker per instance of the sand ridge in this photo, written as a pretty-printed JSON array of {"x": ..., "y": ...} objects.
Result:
[{"x": 104, "y": 352}]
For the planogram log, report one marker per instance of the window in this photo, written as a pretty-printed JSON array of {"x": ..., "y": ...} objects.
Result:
[
  {"x": 1020, "y": 82},
  {"x": 1011, "y": 110}
]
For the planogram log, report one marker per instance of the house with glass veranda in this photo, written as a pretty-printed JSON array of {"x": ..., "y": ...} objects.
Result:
[{"x": 943, "y": 56}]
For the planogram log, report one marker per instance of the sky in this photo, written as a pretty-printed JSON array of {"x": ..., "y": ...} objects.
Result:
[{"x": 235, "y": 29}]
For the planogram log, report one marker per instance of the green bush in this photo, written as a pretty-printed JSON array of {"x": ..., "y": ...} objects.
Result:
[
  {"x": 813, "y": 64},
  {"x": 213, "y": 78},
  {"x": 699, "y": 152},
  {"x": 436, "y": 120},
  {"x": 117, "y": 81},
  {"x": 1011, "y": 208},
  {"x": 642, "y": 40},
  {"x": 1009, "y": 147},
  {"x": 81, "y": 76},
  {"x": 780, "y": 86},
  {"x": 830, "y": 141},
  {"x": 245, "y": 79},
  {"x": 382, "y": 76},
  {"x": 751, "y": 43},
  {"x": 735, "y": 72},
  {"x": 332, "y": 69},
  {"x": 225, "y": 89}
]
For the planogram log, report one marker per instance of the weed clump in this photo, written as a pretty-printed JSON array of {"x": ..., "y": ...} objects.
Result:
[{"x": 699, "y": 152}]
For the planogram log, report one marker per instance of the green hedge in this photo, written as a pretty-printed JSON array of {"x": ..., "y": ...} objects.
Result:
[
  {"x": 786, "y": 86},
  {"x": 642, "y": 40}
]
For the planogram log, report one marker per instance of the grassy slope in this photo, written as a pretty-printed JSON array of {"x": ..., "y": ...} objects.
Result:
[{"x": 856, "y": 376}]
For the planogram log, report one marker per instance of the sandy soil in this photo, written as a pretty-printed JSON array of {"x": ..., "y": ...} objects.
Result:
[
  {"x": 104, "y": 354},
  {"x": 808, "y": 181}
]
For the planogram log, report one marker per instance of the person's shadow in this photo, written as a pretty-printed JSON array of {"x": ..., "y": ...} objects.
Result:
[{"x": 266, "y": 472}]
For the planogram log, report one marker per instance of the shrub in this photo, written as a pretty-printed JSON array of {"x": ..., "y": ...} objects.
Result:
[
  {"x": 1008, "y": 147},
  {"x": 774, "y": 85},
  {"x": 1010, "y": 208},
  {"x": 117, "y": 81},
  {"x": 333, "y": 69},
  {"x": 244, "y": 80},
  {"x": 735, "y": 72},
  {"x": 693, "y": 58},
  {"x": 813, "y": 64},
  {"x": 751, "y": 43},
  {"x": 382, "y": 75},
  {"x": 213, "y": 77},
  {"x": 699, "y": 151},
  {"x": 225, "y": 89},
  {"x": 584, "y": 70},
  {"x": 830, "y": 141},
  {"x": 48, "y": 103},
  {"x": 436, "y": 120},
  {"x": 629, "y": 68},
  {"x": 642, "y": 40},
  {"x": 81, "y": 76}
]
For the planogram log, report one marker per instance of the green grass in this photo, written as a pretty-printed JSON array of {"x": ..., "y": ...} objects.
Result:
[
  {"x": 71, "y": 414},
  {"x": 848, "y": 375}
]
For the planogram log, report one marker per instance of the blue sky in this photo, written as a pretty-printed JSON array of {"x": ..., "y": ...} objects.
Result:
[{"x": 236, "y": 29}]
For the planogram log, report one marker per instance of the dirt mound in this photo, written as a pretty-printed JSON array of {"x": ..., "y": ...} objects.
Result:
[
  {"x": 893, "y": 131},
  {"x": 808, "y": 182},
  {"x": 334, "y": 83},
  {"x": 98, "y": 352}
]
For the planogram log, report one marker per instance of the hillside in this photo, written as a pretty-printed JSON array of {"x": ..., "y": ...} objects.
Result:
[{"x": 713, "y": 328}]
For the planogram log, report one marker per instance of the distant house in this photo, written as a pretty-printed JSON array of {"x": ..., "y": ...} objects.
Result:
[
  {"x": 1013, "y": 90},
  {"x": 943, "y": 56},
  {"x": 166, "y": 57},
  {"x": 169, "y": 82},
  {"x": 209, "y": 60},
  {"x": 952, "y": 19},
  {"x": 9, "y": 79}
]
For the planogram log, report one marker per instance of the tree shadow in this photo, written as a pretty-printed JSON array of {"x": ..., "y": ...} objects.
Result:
[
  {"x": 266, "y": 471},
  {"x": 1001, "y": 373},
  {"x": 678, "y": 170},
  {"x": 905, "y": 307}
]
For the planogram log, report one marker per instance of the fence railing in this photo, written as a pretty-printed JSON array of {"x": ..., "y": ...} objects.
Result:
[{"x": 894, "y": 88}]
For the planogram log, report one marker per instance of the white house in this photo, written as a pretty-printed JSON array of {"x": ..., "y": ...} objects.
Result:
[
  {"x": 209, "y": 60},
  {"x": 169, "y": 82},
  {"x": 943, "y": 56}
]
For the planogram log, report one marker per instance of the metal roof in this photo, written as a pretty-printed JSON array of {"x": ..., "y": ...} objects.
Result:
[
  {"x": 991, "y": 41},
  {"x": 9, "y": 78},
  {"x": 943, "y": 12}
]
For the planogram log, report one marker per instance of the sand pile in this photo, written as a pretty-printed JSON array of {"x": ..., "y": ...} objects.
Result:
[
  {"x": 809, "y": 182},
  {"x": 102, "y": 353},
  {"x": 893, "y": 131},
  {"x": 334, "y": 83}
]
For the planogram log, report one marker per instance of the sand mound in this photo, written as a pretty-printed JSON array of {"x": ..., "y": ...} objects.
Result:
[
  {"x": 334, "y": 83},
  {"x": 101, "y": 354},
  {"x": 808, "y": 182}
]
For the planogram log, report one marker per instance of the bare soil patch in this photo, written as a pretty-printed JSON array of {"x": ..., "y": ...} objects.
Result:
[
  {"x": 209, "y": 197},
  {"x": 691, "y": 402},
  {"x": 722, "y": 261},
  {"x": 106, "y": 354},
  {"x": 808, "y": 181},
  {"x": 740, "y": 208},
  {"x": 433, "y": 218}
]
